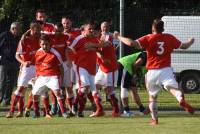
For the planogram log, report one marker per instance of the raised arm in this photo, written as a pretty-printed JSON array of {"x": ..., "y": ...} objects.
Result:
[
  {"x": 127, "y": 41},
  {"x": 187, "y": 44}
]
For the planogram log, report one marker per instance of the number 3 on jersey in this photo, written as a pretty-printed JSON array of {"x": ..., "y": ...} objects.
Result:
[{"x": 161, "y": 49}]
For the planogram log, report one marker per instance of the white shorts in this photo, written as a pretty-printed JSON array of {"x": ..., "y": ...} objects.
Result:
[
  {"x": 106, "y": 79},
  {"x": 43, "y": 83},
  {"x": 85, "y": 79},
  {"x": 67, "y": 76},
  {"x": 157, "y": 79},
  {"x": 73, "y": 73},
  {"x": 25, "y": 75}
]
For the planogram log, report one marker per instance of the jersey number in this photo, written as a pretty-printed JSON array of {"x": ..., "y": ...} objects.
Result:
[{"x": 161, "y": 49}]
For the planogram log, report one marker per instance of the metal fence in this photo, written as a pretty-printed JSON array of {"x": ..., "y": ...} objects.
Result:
[{"x": 137, "y": 23}]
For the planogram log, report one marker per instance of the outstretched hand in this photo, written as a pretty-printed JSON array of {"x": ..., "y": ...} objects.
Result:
[{"x": 191, "y": 40}]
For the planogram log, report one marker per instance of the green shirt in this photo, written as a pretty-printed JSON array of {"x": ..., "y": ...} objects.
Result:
[{"x": 128, "y": 61}]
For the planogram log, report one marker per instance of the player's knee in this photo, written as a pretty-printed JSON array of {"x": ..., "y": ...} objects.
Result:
[
  {"x": 124, "y": 93},
  {"x": 20, "y": 91},
  {"x": 36, "y": 98},
  {"x": 85, "y": 90},
  {"x": 45, "y": 95},
  {"x": 35, "y": 92},
  {"x": 69, "y": 95},
  {"x": 69, "y": 90},
  {"x": 152, "y": 98},
  {"x": 110, "y": 90}
]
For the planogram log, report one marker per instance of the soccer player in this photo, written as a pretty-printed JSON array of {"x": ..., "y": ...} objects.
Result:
[
  {"x": 108, "y": 73},
  {"x": 46, "y": 28},
  {"x": 26, "y": 50},
  {"x": 73, "y": 33},
  {"x": 41, "y": 18},
  {"x": 59, "y": 42},
  {"x": 159, "y": 47},
  {"x": 85, "y": 46},
  {"x": 105, "y": 29},
  {"x": 68, "y": 29},
  {"x": 49, "y": 71},
  {"x": 132, "y": 66}
]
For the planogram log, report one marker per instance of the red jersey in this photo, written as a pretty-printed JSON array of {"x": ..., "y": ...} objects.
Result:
[
  {"x": 159, "y": 48},
  {"x": 27, "y": 48},
  {"x": 47, "y": 64},
  {"x": 72, "y": 34},
  {"x": 85, "y": 58},
  {"x": 48, "y": 28},
  {"x": 109, "y": 54},
  {"x": 59, "y": 42}
]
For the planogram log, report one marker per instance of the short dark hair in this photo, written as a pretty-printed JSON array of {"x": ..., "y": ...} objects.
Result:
[
  {"x": 66, "y": 17},
  {"x": 40, "y": 11},
  {"x": 34, "y": 24},
  {"x": 86, "y": 24},
  {"x": 44, "y": 37},
  {"x": 158, "y": 24}
]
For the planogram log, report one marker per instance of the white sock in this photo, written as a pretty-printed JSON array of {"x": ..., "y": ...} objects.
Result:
[
  {"x": 179, "y": 96},
  {"x": 153, "y": 108}
]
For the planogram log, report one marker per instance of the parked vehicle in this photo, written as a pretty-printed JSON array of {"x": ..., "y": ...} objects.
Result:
[{"x": 186, "y": 63}]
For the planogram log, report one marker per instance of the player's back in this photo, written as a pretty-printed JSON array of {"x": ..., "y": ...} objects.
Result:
[{"x": 159, "y": 48}]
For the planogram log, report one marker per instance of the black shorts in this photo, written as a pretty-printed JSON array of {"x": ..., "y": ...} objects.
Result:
[{"x": 127, "y": 80}]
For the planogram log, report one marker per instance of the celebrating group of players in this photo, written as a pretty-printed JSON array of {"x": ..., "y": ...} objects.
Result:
[{"x": 58, "y": 57}]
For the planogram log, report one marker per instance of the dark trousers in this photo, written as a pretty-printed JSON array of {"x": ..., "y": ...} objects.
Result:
[{"x": 8, "y": 80}]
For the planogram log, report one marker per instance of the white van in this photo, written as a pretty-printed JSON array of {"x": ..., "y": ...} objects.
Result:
[{"x": 186, "y": 63}]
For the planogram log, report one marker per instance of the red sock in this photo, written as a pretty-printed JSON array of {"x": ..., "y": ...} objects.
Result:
[
  {"x": 70, "y": 102},
  {"x": 53, "y": 98},
  {"x": 76, "y": 100},
  {"x": 97, "y": 100},
  {"x": 36, "y": 108},
  {"x": 21, "y": 104},
  {"x": 30, "y": 101},
  {"x": 61, "y": 103},
  {"x": 187, "y": 106},
  {"x": 15, "y": 99},
  {"x": 90, "y": 97},
  {"x": 45, "y": 101},
  {"x": 114, "y": 102},
  {"x": 82, "y": 101}
]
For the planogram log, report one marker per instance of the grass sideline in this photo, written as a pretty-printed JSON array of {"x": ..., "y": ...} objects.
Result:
[{"x": 169, "y": 123}]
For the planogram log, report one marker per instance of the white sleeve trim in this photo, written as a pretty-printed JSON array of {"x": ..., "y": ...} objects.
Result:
[
  {"x": 57, "y": 55},
  {"x": 76, "y": 40},
  {"x": 139, "y": 43}
]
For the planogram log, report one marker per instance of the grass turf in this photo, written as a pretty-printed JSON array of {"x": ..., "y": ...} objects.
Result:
[
  {"x": 174, "y": 122},
  {"x": 169, "y": 123}
]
